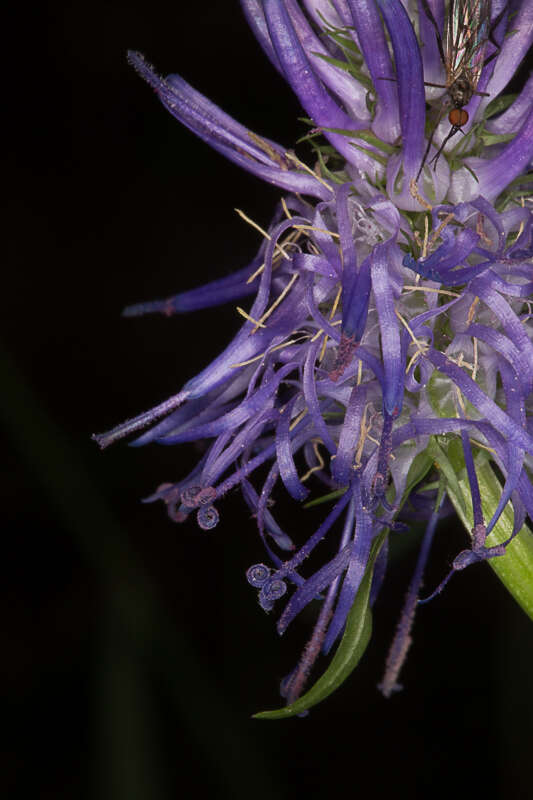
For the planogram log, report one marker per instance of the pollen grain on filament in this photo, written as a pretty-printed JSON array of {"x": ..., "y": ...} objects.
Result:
[
  {"x": 435, "y": 235},
  {"x": 413, "y": 188}
]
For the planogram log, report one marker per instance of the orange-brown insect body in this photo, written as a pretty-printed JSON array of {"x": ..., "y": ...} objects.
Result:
[{"x": 458, "y": 117}]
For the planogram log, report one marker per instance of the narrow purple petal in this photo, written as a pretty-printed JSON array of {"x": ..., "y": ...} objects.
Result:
[
  {"x": 141, "y": 421},
  {"x": 214, "y": 293},
  {"x": 349, "y": 91},
  {"x": 285, "y": 457},
  {"x": 371, "y": 37},
  {"x": 359, "y": 552},
  {"x": 262, "y": 157},
  {"x": 479, "y": 399},
  {"x": 313, "y": 586},
  {"x": 343, "y": 465},
  {"x": 311, "y": 92},
  {"x": 255, "y": 17},
  {"x": 433, "y": 66},
  {"x": 514, "y": 48},
  {"x": 513, "y": 117},
  {"x": 311, "y": 396},
  {"x": 410, "y": 77},
  {"x": 389, "y": 332}
]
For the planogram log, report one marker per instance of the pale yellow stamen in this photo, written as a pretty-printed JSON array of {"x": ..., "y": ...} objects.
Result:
[
  {"x": 319, "y": 458},
  {"x": 297, "y": 419},
  {"x": 268, "y": 149},
  {"x": 362, "y": 436},
  {"x": 332, "y": 314},
  {"x": 472, "y": 310},
  {"x": 243, "y": 313},
  {"x": 258, "y": 271},
  {"x": 278, "y": 300},
  {"x": 292, "y": 238},
  {"x": 285, "y": 209},
  {"x": 426, "y": 237},
  {"x": 323, "y": 349},
  {"x": 412, "y": 360},
  {"x": 294, "y": 158},
  {"x": 421, "y": 347},
  {"x": 435, "y": 235},
  {"x": 262, "y": 231},
  {"x": 317, "y": 230},
  {"x": 460, "y": 401},
  {"x": 413, "y": 188},
  {"x": 461, "y": 362},
  {"x": 476, "y": 363},
  {"x": 483, "y": 446},
  {"x": 481, "y": 231},
  {"x": 412, "y": 288},
  {"x": 272, "y": 349}
]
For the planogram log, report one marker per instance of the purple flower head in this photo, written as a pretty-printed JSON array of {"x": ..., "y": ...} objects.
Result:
[{"x": 385, "y": 352}]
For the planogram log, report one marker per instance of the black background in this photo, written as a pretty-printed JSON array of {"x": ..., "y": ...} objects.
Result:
[{"x": 134, "y": 651}]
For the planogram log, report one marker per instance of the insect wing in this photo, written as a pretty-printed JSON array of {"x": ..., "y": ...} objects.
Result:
[{"x": 466, "y": 34}]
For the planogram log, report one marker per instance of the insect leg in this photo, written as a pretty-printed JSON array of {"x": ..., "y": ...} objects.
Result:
[
  {"x": 430, "y": 141},
  {"x": 453, "y": 130},
  {"x": 429, "y": 14},
  {"x": 491, "y": 38}
]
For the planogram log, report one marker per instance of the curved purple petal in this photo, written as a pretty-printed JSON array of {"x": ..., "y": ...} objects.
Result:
[
  {"x": 311, "y": 92},
  {"x": 258, "y": 155},
  {"x": 410, "y": 76},
  {"x": 371, "y": 37}
]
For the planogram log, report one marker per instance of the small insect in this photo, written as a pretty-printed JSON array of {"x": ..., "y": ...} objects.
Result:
[{"x": 467, "y": 30}]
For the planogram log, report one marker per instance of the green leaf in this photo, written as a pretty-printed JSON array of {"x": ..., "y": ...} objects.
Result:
[
  {"x": 441, "y": 393},
  {"x": 496, "y": 138},
  {"x": 380, "y": 159},
  {"x": 324, "y": 498},
  {"x": 472, "y": 173},
  {"x": 349, "y": 652},
  {"x": 499, "y": 104},
  {"x": 366, "y": 135},
  {"x": 515, "y": 568},
  {"x": 448, "y": 470},
  {"x": 418, "y": 470}
]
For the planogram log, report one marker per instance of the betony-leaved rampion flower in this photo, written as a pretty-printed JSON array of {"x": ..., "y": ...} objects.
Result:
[{"x": 386, "y": 351}]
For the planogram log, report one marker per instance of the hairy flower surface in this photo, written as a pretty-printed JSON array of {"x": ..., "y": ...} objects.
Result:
[{"x": 387, "y": 350}]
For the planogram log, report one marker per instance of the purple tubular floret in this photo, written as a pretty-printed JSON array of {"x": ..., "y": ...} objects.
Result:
[
  {"x": 359, "y": 550},
  {"x": 371, "y": 38},
  {"x": 320, "y": 106},
  {"x": 214, "y": 293},
  {"x": 257, "y": 155},
  {"x": 409, "y": 74}
]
